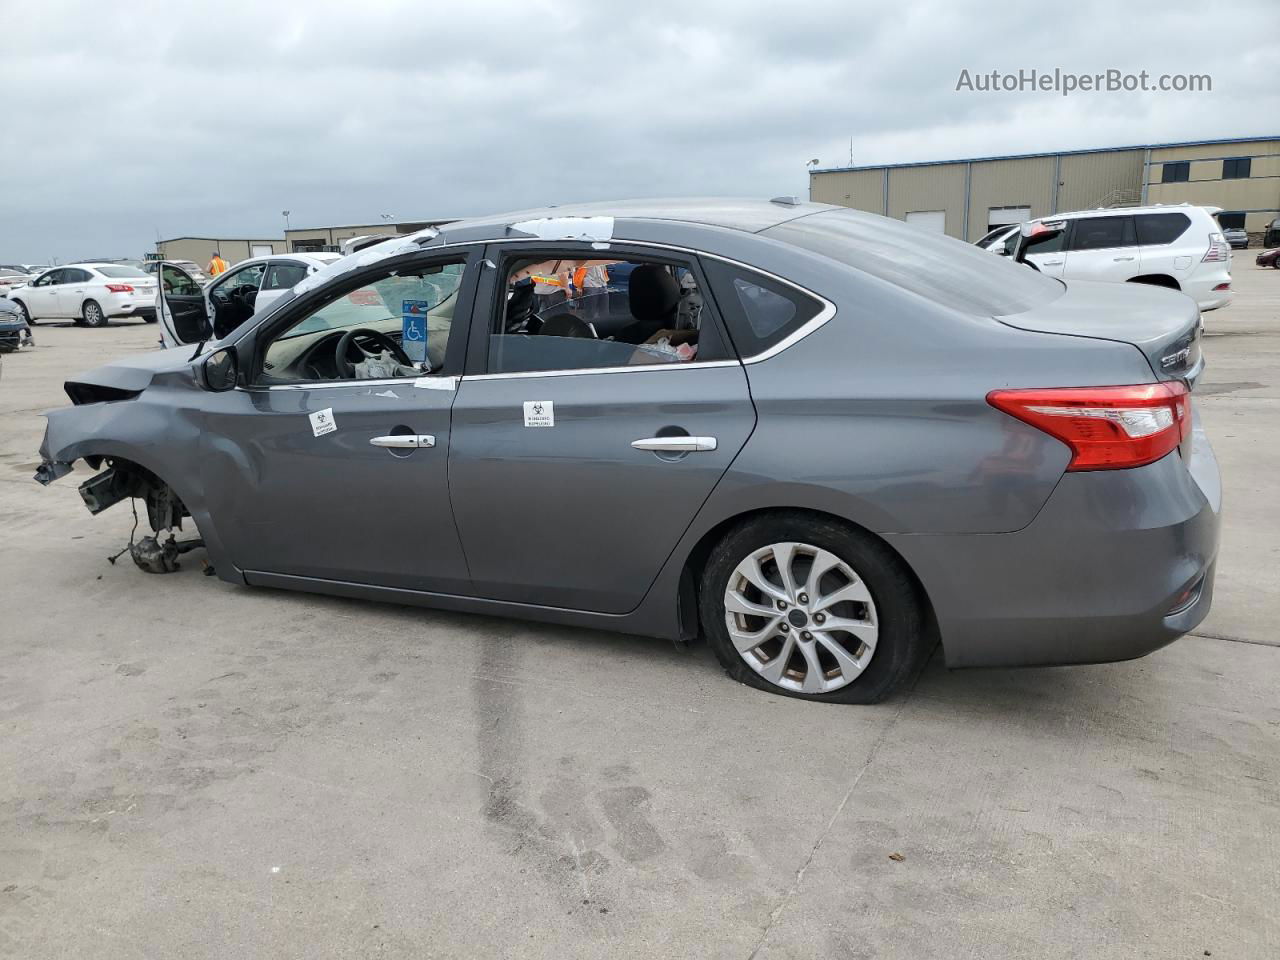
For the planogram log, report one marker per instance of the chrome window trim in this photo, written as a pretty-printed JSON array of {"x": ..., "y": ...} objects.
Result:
[{"x": 825, "y": 314}]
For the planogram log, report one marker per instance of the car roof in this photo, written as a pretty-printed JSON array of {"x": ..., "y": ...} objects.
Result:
[
  {"x": 752, "y": 215},
  {"x": 1123, "y": 211}
]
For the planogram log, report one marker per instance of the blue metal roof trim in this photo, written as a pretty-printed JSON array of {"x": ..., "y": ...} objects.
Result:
[{"x": 1047, "y": 153}]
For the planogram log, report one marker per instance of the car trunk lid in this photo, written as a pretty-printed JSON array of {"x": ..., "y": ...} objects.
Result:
[{"x": 1164, "y": 324}]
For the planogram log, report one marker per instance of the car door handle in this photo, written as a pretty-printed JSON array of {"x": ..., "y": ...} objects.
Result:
[
  {"x": 675, "y": 444},
  {"x": 1053, "y": 263},
  {"x": 404, "y": 441},
  {"x": 1121, "y": 259}
]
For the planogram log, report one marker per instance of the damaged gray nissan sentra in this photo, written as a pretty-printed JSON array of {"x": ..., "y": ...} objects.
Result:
[{"x": 819, "y": 438}]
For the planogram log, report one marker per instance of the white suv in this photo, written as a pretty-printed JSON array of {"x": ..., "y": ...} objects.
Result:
[{"x": 1180, "y": 247}]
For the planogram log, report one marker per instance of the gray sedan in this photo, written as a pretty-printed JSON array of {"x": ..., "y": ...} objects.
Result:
[{"x": 820, "y": 439}]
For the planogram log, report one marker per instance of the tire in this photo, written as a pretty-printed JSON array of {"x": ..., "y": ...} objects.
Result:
[
  {"x": 26, "y": 314},
  {"x": 892, "y": 642},
  {"x": 92, "y": 314},
  {"x": 150, "y": 317}
]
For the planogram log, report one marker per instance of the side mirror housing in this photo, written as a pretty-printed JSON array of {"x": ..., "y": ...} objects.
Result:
[{"x": 220, "y": 370}]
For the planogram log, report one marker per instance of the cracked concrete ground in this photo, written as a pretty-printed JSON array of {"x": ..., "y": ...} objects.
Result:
[{"x": 191, "y": 769}]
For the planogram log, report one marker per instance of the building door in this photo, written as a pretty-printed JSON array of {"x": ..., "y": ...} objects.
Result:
[
  {"x": 934, "y": 221},
  {"x": 1005, "y": 216}
]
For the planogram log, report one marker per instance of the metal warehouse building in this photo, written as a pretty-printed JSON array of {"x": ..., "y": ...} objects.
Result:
[{"x": 967, "y": 198}]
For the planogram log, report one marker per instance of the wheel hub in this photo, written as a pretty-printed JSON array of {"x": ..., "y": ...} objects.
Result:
[{"x": 801, "y": 617}]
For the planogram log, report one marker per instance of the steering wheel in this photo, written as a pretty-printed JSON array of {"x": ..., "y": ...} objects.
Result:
[
  {"x": 346, "y": 369},
  {"x": 244, "y": 296}
]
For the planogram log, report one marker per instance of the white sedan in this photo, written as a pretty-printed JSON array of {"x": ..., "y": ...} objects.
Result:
[
  {"x": 89, "y": 293},
  {"x": 233, "y": 297}
]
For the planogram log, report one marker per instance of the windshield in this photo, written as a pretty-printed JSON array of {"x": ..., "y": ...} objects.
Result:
[
  {"x": 115, "y": 271},
  {"x": 947, "y": 271},
  {"x": 387, "y": 299}
]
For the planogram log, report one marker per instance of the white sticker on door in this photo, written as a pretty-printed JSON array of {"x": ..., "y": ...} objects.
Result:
[
  {"x": 539, "y": 413},
  {"x": 322, "y": 422}
]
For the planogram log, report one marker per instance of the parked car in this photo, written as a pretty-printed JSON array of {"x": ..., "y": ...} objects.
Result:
[
  {"x": 14, "y": 331},
  {"x": 1268, "y": 258},
  {"x": 91, "y": 293},
  {"x": 14, "y": 269},
  {"x": 189, "y": 266},
  {"x": 1236, "y": 237},
  {"x": 249, "y": 287},
  {"x": 12, "y": 281},
  {"x": 1000, "y": 240},
  {"x": 1175, "y": 246},
  {"x": 866, "y": 438}
]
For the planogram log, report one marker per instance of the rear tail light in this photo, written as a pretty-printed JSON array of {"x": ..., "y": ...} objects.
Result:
[
  {"x": 1107, "y": 428},
  {"x": 1219, "y": 250},
  {"x": 119, "y": 288},
  {"x": 1222, "y": 287}
]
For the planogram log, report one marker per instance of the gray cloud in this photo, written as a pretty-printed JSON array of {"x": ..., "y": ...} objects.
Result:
[{"x": 124, "y": 121}]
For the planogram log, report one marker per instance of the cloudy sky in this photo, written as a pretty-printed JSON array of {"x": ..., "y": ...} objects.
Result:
[{"x": 129, "y": 121}]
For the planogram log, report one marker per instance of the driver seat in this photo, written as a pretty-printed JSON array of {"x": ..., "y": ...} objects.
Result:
[{"x": 654, "y": 298}]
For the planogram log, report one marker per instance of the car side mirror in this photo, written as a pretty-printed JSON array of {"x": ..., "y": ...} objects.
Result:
[{"x": 220, "y": 369}]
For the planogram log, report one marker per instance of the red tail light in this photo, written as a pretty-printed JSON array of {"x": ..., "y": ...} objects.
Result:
[
  {"x": 1107, "y": 428},
  {"x": 1219, "y": 249},
  {"x": 119, "y": 288}
]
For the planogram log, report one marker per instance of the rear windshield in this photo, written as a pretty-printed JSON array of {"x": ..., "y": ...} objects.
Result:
[
  {"x": 949, "y": 272},
  {"x": 121, "y": 272}
]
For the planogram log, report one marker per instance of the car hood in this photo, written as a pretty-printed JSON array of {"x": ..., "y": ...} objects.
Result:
[
  {"x": 1164, "y": 324},
  {"x": 137, "y": 371}
]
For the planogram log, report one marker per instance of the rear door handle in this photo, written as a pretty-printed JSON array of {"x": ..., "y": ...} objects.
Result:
[
  {"x": 404, "y": 441},
  {"x": 675, "y": 444},
  {"x": 1053, "y": 263},
  {"x": 1121, "y": 259}
]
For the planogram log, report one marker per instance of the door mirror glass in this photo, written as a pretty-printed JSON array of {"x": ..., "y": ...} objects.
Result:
[{"x": 219, "y": 370}]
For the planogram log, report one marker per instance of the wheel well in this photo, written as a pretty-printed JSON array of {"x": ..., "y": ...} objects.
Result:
[
  {"x": 696, "y": 562},
  {"x": 1157, "y": 280},
  {"x": 124, "y": 479}
]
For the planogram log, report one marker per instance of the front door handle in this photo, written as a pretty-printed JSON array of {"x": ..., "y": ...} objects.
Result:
[
  {"x": 680, "y": 444},
  {"x": 1121, "y": 259},
  {"x": 404, "y": 441},
  {"x": 1053, "y": 263}
]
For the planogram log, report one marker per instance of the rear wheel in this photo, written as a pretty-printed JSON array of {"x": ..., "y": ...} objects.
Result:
[
  {"x": 92, "y": 314},
  {"x": 807, "y": 607}
]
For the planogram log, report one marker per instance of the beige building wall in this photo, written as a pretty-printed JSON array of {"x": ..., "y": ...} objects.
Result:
[
  {"x": 1089, "y": 180},
  {"x": 1018, "y": 182},
  {"x": 933, "y": 187},
  {"x": 860, "y": 189},
  {"x": 1258, "y": 195},
  {"x": 198, "y": 249},
  {"x": 333, "y": 236}
]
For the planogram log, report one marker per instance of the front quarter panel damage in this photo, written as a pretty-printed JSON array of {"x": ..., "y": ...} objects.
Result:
[{"x": 159, "y": 432}]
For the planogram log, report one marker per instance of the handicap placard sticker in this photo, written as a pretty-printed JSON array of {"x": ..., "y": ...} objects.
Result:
[{"x": 413, "y": 336}]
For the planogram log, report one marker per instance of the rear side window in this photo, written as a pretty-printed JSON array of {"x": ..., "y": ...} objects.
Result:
[
  {"x": 760, "y": 311},
  {"x": 1157, "y": 228},
  {"x": 1103, "y": 233},
  {"x": 282, "y": 276}
]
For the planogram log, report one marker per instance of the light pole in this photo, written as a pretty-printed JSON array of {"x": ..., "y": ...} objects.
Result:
[
  {"x": 809, "y": 166},
  {"x": 285, "y": 214}
]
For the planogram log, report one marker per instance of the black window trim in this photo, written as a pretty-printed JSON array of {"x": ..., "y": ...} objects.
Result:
[
  {"x": 1182, "y": 166},
  {"x": 487, "y": 314},
  {"x": 273, "y": 263},
  {"x": 1236, "y": 163}
]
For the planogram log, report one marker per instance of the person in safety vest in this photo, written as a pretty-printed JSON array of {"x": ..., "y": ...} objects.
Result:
[{"x": 217, "y": 265}]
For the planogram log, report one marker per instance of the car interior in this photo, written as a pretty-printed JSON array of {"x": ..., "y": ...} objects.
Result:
[
  {"x": 397, "y": 326},
  {"x": 233, "y": 298},
  {"x": 569, "y": 314}
]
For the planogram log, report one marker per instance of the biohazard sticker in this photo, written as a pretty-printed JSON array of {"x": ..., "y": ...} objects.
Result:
[
  {"x": 539, "y": 413},
  {"x": 322, "y": 422}
]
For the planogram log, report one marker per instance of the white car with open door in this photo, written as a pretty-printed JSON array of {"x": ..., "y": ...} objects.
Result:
[
  {"x": 247, "y": 288},
  {"x": 89, "y": 293}
]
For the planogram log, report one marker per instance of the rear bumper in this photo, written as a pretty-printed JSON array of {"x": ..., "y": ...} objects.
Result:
[
  {"x": 1117, "y": 564},
  {"x": 1200, "y": 287},
  {"x": 145, "y": 309}
]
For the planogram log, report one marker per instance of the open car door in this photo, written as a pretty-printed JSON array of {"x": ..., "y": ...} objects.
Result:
[{"x": 181, "y": 307}]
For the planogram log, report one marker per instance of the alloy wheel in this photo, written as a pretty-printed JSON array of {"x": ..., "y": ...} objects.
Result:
[
  {"x": 93, "y": 314},
  {"x": 801, "y": 617}
]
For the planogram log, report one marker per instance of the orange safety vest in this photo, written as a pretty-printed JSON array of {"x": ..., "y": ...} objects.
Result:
[{"x": 216, "y": 266}]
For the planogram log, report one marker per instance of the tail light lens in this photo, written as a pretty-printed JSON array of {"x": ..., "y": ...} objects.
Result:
[
  {"x": 1107, "y": 428},
  {"x": 119, "y": 288},
  {"x": 1219, "y": 250}
]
